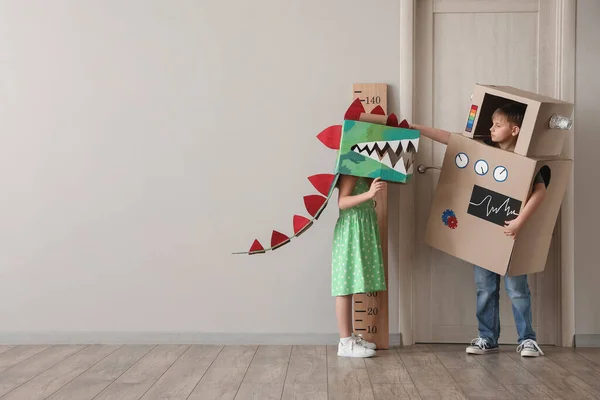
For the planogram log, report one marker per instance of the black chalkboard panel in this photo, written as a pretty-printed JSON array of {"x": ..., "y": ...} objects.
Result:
[{"x": 493, "y": 206}]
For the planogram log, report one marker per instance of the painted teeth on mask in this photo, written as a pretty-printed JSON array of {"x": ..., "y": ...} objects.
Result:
[
  {"x": 400, "y": 166},
  {"x": 404, "y": 145},
  {"x": 415, "y": 143},
  {"x": 386, "y": 160},
  {"x": 396, "y": 154},
  {"x": 362, "y": 148}
]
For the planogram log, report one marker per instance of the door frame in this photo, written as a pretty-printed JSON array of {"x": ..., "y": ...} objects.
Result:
[{"x": 562, "y": 86}]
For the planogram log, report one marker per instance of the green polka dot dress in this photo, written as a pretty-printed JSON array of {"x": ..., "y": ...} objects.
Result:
[{"x": 357, "y": 262}]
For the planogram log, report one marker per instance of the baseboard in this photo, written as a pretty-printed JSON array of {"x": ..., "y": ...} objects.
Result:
[
  {"x": 587, "y": 340},
  {"x": 12, "y": 338}
]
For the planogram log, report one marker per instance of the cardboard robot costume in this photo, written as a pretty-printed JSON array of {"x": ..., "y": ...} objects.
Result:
[{"x": 480, "y": 186}]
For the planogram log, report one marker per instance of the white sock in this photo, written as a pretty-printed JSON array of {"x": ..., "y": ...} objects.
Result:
[{"x": 345, "y": 340}]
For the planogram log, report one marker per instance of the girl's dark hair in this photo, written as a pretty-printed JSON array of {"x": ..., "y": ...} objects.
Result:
[{"x": 514, "y": 112}]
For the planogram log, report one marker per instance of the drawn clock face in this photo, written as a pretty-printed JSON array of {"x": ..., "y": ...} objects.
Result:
[
  {"x": 461, "y": 160},
  {"x": 481, "y": 167},
  {"x": 500, "y": 173}
]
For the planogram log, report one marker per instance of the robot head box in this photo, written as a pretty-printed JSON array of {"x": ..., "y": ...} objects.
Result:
[
  {"x": 544, "y": 119},
  {"x": 370, "y": 145},
  {"x": 481, "y": 187}
]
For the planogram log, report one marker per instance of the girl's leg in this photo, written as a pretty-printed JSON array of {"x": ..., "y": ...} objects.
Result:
[
  {"x": 343, "y": 311},
  {"x": 348, "y": 346}
]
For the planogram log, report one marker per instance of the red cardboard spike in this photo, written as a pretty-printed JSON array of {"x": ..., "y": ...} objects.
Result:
[
  {"x": 322, "y": 182},
  {"x": 278, "y": 239},
  {"x": 404, "y": 124},
  {"x": 354, "y": 111},
  {"x": 378, "y": 110},
  {"x": 313, "y": 203},
  {"x": 392, "y": 120},
  {"x": 331, "y": 136},
  {"x": 256, "y": 247},
  {"x": 300, "y": 224}
]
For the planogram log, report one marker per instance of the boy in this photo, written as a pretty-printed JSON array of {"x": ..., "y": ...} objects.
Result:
[{"x": 506, "y": 125}]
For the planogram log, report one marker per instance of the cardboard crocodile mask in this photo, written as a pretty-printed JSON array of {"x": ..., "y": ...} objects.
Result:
[{"x": 369, "y": 145}]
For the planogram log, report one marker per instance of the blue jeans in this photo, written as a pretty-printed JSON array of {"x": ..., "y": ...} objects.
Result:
[{"x": 488, "y": 304}]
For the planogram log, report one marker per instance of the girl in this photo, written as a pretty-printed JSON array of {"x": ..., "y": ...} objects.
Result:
[{"x": 357, "y": 262}]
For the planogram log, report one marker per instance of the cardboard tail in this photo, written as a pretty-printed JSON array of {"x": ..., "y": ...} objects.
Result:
[
  {"x": 331, "y": 137},
  {"x": 314, "y": 203}
]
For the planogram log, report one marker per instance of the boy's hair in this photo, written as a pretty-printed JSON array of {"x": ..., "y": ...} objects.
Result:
[{"x": 514, "y": 113}]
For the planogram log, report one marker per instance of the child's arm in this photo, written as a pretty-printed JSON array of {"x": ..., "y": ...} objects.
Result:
[
  {"x": 439, "y": 135},
  {"x": 347, "y": 182},
  {"x": 513, "y": 227}
]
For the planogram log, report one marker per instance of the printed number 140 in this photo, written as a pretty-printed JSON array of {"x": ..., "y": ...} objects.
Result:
[{"x": 373, "y": 100}]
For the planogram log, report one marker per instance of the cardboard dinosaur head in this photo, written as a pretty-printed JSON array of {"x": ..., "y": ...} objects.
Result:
[
  {"x": 369, "y": 145},
  {"x": 372, "y": 145}
]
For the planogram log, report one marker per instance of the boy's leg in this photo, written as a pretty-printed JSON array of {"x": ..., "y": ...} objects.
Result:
[
  {"x": 520, "y": 296},
  {"x": 488, "y": 314}
]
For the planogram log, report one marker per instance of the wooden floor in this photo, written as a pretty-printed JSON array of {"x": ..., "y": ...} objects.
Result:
[{"x": 181, "y": 372}]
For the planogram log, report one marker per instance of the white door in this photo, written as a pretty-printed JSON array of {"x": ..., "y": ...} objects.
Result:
[{"x": 459, "y": 43}]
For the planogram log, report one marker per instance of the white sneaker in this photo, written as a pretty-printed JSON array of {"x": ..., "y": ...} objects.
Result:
[
  {"x": 529, "y": 348},
  {"x": 362, "y": 341},
  {"x": 354, "y": 349}
]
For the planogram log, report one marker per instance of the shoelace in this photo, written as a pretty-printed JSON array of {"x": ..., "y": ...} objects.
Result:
[
  {"x": 529, "y": 343},
  {"x": 354, "y": 341},
  {"x": 355, "y": 344},
  {"x": 479, "y": 342},
  {"x": 359, "y": 339}
]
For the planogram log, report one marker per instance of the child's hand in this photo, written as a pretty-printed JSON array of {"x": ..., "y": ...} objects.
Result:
[
  {"x": 376, "y": 186},
  {"x": 513, "y": 227}
]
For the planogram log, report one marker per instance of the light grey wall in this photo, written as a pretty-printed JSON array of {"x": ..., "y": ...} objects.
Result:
[
  {"x": 587, "y": 144},
  {"x": 144, "y": 141}
]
